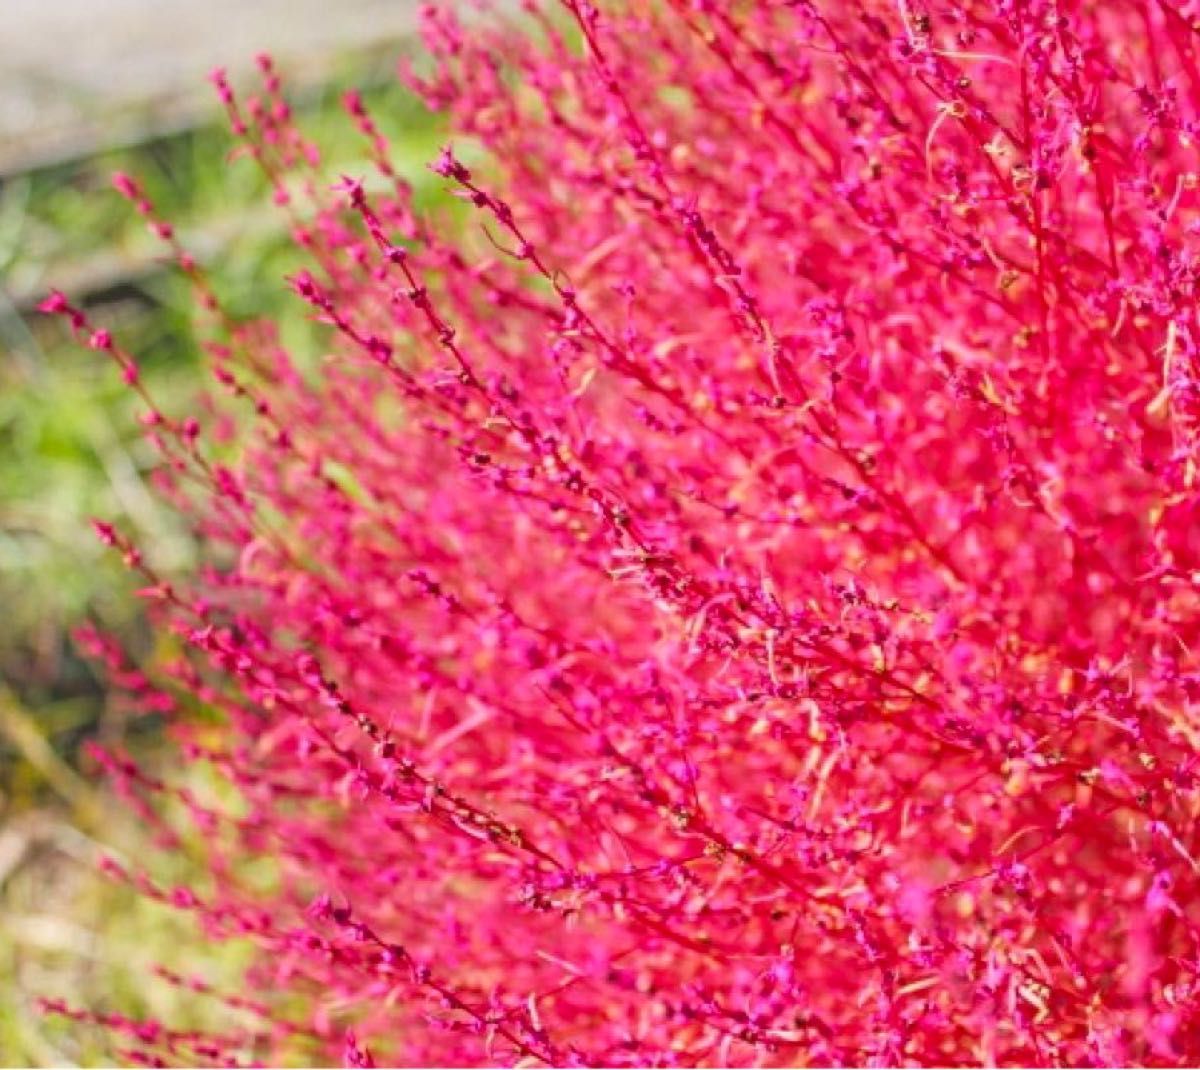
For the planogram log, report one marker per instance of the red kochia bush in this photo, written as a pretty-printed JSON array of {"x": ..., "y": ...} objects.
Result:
[{"x": 738, "y": 605}]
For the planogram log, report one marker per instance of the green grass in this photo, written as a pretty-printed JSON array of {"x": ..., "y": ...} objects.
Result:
[{"x": 70, "y": 449}]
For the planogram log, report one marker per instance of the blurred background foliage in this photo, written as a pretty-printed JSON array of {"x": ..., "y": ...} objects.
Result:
[{"x": 70, "y": 449}]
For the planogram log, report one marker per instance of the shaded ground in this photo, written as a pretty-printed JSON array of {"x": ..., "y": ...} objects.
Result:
[{"x": 78, "y": 75}]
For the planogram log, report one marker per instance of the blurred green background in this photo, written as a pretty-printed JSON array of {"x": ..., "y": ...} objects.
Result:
[{"x": 70, "y": 449}]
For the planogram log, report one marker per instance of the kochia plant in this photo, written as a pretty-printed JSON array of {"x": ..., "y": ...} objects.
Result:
[{"x": 740, "y": 604}]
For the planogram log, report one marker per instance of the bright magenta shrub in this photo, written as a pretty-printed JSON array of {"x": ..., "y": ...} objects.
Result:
[{"x": 739, "y": 605}]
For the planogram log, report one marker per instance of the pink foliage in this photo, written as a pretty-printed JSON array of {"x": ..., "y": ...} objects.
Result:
[{"x": 738, "y": 604}]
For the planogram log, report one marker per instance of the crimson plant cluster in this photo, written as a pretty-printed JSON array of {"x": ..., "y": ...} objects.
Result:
[{"x": 733, "y": 602}]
